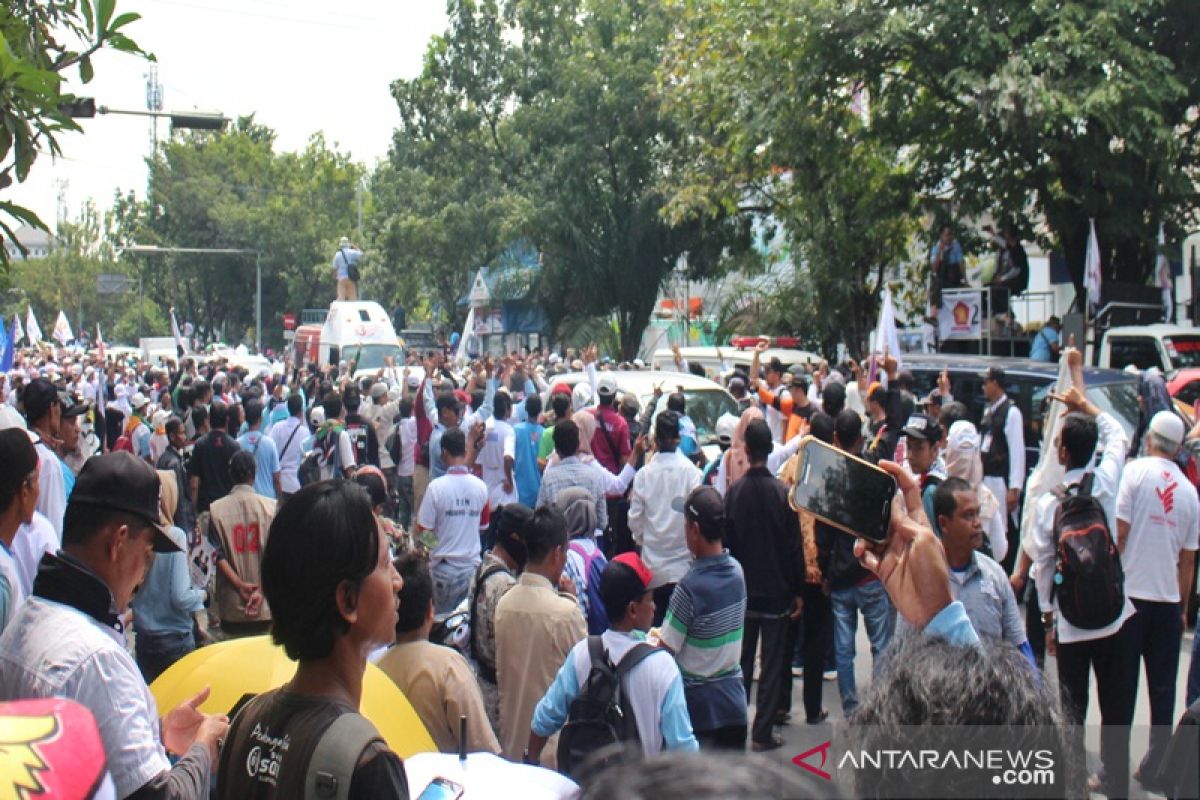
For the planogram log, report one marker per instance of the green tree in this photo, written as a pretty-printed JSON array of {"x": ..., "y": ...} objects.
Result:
[
  {"x": 232, "y": 190},
  {"x": 542, "y": 119},
  {"x": 42, "y": 40},
  {"x": 1052, "y": 113}
]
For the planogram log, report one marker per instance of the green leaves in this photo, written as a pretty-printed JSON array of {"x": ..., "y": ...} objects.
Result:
[{"x": 41, "y": 41}]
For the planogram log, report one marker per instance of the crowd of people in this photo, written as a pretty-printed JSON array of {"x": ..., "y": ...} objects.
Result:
[{"x": 509, "y": 548}]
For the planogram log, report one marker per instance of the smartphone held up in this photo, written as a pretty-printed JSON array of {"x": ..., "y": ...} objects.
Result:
[{"x": 841, "y": 490}]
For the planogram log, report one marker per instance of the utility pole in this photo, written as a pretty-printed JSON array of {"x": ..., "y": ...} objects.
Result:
[{"x": 154, "y": 103}]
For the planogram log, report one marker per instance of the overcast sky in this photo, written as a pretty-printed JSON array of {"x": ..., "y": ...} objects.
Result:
[{"x": 300, "y": 66}]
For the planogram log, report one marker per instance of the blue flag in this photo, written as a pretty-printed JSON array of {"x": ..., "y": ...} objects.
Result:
[{"x": 7, "y": 346}]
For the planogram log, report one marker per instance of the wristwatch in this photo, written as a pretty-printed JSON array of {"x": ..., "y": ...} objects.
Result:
[{"x": 1048, "y": 618}]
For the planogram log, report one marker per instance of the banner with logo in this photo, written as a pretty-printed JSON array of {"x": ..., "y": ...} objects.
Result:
[{"x": 961, "y": 314}]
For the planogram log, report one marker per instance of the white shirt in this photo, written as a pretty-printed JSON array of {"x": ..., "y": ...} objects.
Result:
[
  {"x": 1014, "y": 432},
  {"x": 31, "y": 543},
  {"x": 657, "y": 527},
  {"x": 1160, "y": 505},
  {"x": 53, "y": 498},
  {"x": 1040, "y": 545},
  {"x": 408, "y": 441},
  {"x": 52, "y": 650},
  {"x": 500, "y": 442},
  {"x": 455, "y": 509},
  {"x": 345, "y": 457},
  {"x": 778, "y": 456},
  {"x": 289, "y": 461}
]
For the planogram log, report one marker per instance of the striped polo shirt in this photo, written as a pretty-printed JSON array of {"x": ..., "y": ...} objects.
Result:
[{"x": 703, "y": 626}]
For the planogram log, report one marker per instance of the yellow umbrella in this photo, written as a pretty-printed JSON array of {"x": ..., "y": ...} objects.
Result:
[{"x": 254, "y": 665}]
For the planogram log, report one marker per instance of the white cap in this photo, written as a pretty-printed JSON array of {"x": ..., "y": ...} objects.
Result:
[
  {"x": 726, "y": 425},
  {"x": 413, "y": 381},
  {"x": 1167, "y": 426},
  {"x": 607, "y": 386},
  {"x": 637, "y": 362},
  {"x": 963, "y": 437},
  {"x": 317, "y": 415},
  {"x": 138, "y": 401},
  {"x": 344, "y": 242}
]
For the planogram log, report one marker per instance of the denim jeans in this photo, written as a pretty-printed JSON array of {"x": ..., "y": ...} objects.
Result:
[
  {"x": 404, "y": 500},
  {"x": 451, "y": 583},
  {"x": 871, "y": 599},
  {"x": 157, "y": 651}
]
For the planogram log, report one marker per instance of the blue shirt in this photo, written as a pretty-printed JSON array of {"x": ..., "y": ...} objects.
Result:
[
  {"x": 167, "y": 599},
  {"x": 342, "y": 260},
  {"x": 266, "y": 461},
  {"x": 525, "y": 471},
  {"x": 954, "y": 255},
  {"x": 1041, "y": 349}
]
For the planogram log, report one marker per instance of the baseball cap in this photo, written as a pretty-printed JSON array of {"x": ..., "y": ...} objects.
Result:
[
  {"x": 40, "y": 395},
  {"x": 73, "y": 407},
  {"x": 607, "y": 386},
  {"x": 923, "y": 427},
  {"x": 138, "y": 401},
  {"x": 1167, "y": 425},
  {"x": 123, "y": 482},
  {"x": 378, "y": 391},
  {"x": 726, "y": 426},
  {"x": 703, "y": 505},
  {"x": 798, "y": 377},
  {"x": 994, "y": 374}
]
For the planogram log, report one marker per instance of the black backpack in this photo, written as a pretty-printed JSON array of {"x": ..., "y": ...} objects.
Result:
[
  {"x": 600, "y": 717},
  {"x": 1088, "y": 579},
  {"x": 309, "y": 470}
]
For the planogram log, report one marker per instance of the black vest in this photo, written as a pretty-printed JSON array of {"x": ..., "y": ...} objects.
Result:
[{"x": 995, "y": 460}]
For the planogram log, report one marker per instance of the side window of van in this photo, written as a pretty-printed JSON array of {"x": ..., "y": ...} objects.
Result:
[{"x": 1141, "y": 351}]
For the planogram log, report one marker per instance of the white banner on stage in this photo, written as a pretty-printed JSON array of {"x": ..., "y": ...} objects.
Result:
[{"x": 961, "y": 314}]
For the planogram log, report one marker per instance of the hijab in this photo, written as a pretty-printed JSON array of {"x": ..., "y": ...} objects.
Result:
[
  {"x": 737, "y": 463},
  {"x": 586, "y": 422},
  {"x": 579, "y": 507},
  {"x": 168, "y": 499}
]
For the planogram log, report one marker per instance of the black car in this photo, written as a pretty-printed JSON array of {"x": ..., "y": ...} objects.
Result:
[{"x": 1029, "y": 383}]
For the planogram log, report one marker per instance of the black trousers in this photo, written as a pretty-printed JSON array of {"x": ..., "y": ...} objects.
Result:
[
  {"x": 662, "y": 599},
  {"x": 817, "y": 620},
  {"x": 1108, "y": 658},
  {"x": 1035, "y": 631},
  {"x": 1155, "y": 633},
  {"x": 775, "y": 632},
  {"x": 731, "y": 737}
]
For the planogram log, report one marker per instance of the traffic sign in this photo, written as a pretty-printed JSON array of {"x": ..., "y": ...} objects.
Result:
[
  {"x": 113, "y": 283},
  {"x": 289, "y": 322}
]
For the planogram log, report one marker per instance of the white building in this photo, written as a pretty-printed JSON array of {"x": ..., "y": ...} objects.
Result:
[{"x": 37, "y": 243}]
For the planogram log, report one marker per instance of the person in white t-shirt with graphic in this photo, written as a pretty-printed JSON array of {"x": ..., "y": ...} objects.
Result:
[
  {"x": 455, "y": 509},
  {"x": 1157, "y": 517},
  {"x": 498, "y": 455}
]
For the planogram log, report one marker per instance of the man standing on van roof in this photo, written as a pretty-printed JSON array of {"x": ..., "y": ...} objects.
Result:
[{"x": 345, "y": 269}]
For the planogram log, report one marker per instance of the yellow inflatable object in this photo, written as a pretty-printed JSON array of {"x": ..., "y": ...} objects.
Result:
[{"x": 254, "y": 665}]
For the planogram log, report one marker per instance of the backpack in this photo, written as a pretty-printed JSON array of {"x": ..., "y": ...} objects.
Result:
[
  {"x": 593, "y": 567},
  {"x": 358, "y": 439},
  {"x": 124, "y": 442},
  {"x": 331, "y": 766},
  {"x": 488, "y": 671},
  {"x": 600, "y": 717},
  {"x": 1088, "y": 579},
  {"x": 309, "y": 470},
  {"x": 351, "y": 266}
]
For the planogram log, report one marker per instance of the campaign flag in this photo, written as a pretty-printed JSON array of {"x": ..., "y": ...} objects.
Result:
[
  {"x": 462, "y": 355},
  {"x": 99, "y": 341},
  {"x": 887, "y": 338},
  {"x": 180, "y": 345},
  {"x": 62, "y": 329},
  {"x": 7, "y": 345},
  {"x": 32, "y": 329},
  {"x": 18, "y": 331},
  {"x": 1091, "y": 267}
]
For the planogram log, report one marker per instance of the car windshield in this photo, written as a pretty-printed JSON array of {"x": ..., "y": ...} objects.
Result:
[
  {"x": 371, "y": 356},
  {"x": 1187, "y": 351},
  {"x": 704, "y": 407},
  {"x": 1120, "y": 400}
]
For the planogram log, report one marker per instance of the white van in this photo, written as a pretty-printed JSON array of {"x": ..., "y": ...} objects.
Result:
[
  {"x": 731, "y": 356},
  {"x": 1168, "y": 347},
  {"x": 353, "y": 331}
]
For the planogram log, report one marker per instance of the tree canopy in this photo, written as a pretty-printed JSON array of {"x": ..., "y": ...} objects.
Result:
[{"x": 43, "y": 39}]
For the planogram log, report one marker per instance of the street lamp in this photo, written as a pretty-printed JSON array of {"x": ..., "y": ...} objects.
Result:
[
  {"x": 153, "y": 250},
  {"x": 86, "y": 108}
]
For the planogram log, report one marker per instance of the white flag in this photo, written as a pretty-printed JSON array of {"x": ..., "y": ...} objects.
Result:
[
  {"x": 100, "y": 341},
  {"x": 1049, "y": 472},
  {"x": 31, "y": 328},
  {"x": 180, "y": 344},
  {"x": 887, "y": 339},
  {"x": 62, "y": 329},
  {"x": 18, "y": 331},
  {"x": 1091, "y": 267},
  {"x": 468, "y": 332}
]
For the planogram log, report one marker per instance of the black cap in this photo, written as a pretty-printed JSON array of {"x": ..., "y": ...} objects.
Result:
[
  {"x": 39, "y": 397},
  {"x": 73, "y": 407},
  {"x": 799, "y": 377},
  {"x": 123, "y": 482},
  {"x": 703, "y": 505},
  {"x": 923, "y": 427},
  {"x": 994, "y": 374}
]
